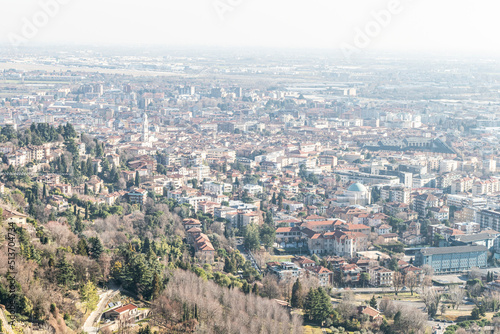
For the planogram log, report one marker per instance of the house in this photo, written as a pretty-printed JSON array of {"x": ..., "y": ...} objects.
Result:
[
  {"x": 289, "y": 237},
  {"x": 121, "y": 312},
  {"x": 12, "y": 216},
  {"x": 303, "y": 262},
  {"x": 203, "y": 249},
  {"x": 350, "y": 273},
  {"x": 383, "y": 229},
  {"x": 338, "y": 243},
  {"x": 95, "y": 184},
  {"x": 190, "y": 223},
  {"x": 371, "y": 312},
  {"x": 389, "y": 237},
  {"x": 324, "y": 275}
]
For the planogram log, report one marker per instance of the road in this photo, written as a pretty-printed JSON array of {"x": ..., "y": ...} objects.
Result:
[
  {"x": 5, "y": 324},
  {"x": 103, "y": 301},
  {"x": 247, "y": 254}
]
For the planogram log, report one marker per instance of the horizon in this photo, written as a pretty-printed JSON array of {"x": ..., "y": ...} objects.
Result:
[{"x": 350, "y": 29}]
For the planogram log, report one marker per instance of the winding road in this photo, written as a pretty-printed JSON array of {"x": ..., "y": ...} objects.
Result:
[{"x": 104, "y": 298}]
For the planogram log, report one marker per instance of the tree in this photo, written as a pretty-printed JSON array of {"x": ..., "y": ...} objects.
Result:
[
  {"x": 431, "y": 300},
  {"x": 251, "y": 237},
  {"x": 411, "y": 281},
  {"x": 156, "y": 286},
  {"x": 89, "y": 296},
  {"x": 82, "y": 247},
  {"x": 393, "y": 264},
  {"x": 397, "y": 282},
  {"x": 296, "y": 300},
  {"x": 273, "y": 200},
  {"x": 267, "y": 235},
  {"x": 456, "y": 295},
  {"x": 318, "y": 306},
  {"x": 96, "y": 248},
  {"x": 442, "y": 308},
  {"x": 137, "y": 180},
  {"x": 373, "y": 302},
  {"x": 255, "y": 289},
  {"x": 65, "y": 272},
  {"x": 364, "y": 278},
  {"x": 475, "y": 314}
]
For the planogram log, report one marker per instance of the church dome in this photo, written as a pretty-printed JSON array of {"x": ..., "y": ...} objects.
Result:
[{"x": 357, "y": 187}]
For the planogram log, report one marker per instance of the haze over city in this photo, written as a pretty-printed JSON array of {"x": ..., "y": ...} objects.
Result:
[{"x": 249, "y": 167}]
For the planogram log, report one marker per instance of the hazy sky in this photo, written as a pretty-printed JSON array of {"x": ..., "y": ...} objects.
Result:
[{"x": 413, "y": 25}]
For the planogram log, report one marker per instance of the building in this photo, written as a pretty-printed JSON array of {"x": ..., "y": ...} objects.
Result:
[
  {"x": 324, "y": 275},
  {"x": 424, "y": 201},
  {"x": 487, "y": 238},
  {"x": 489, "y": 219},
  {"x": 121, "y": 312},
  {"x": 454, "y": 259},
  {"x": 486, "y": 187},
  {"x": 11, "y": 216},
  {"x": 396, "y": 194},
  {"x": 137, "y": 196},
  {"x": 380, "y": 276},
  {"x": 285, "y": 271}
]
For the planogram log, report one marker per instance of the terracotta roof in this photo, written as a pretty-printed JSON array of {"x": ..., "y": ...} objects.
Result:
[
  {"x": 125, "y": 308},
  {"x": 370, "y": 311}
]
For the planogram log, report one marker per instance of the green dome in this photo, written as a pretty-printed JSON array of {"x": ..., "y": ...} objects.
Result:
[{"x": 358, "y": 187}]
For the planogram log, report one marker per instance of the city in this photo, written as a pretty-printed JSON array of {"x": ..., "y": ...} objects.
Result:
[{"x": 260, "y": 190}]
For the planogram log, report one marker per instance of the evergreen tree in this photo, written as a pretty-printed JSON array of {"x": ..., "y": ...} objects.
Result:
[
  {"x": 229, "y": 266},
  {"x": 96, "y": 248},
  {"x": 273, "y": 200},
  {"x": 137, "y": 180},
  {"x": 146, "y": 330},
  {"x": 296, "y": 300},
  {"x": 318, "y": 306},
  {"x": 82, "y": 248},
  {"x": 373, "y": 302},
  {"x": 156, "y": 286},
  {"x": 255, "y": 289},
  {"x": 65, "y": 272}
]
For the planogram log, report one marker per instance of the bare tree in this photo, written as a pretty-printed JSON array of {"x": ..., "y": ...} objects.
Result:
[
  {"x": 431, "y": 299},
  {"x": 411, "y": 281},
  {"x": 411, "y": 318},
  {"x": 474, "y": 273},
  {"x": 387, "y": 306},
  {"x": 456, "y": 295},
  {"x": 397, "y": 282}
]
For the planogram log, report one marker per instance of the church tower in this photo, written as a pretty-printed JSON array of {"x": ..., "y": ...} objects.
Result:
[{"x": 145, "y": 128}]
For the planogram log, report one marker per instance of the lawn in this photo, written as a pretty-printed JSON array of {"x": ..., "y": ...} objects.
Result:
[{"x": 280, "y": 258}]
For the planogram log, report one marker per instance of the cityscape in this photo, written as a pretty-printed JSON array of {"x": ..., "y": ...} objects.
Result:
[{"x": 248, "y": 190}]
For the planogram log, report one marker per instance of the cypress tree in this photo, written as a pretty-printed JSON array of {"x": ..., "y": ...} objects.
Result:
[
  {"x": 296, "y": 300},
  {"x": 373, "y": 302},
  {"x": 137, "y": 179}
]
